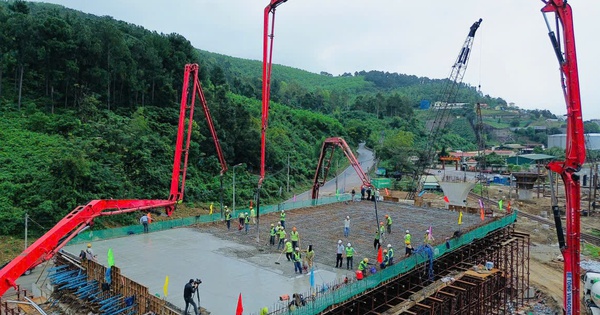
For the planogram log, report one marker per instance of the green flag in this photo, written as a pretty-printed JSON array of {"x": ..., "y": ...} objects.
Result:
[
  {"x": 500, "y": 204},
  {"x": 110, "y": 258}
]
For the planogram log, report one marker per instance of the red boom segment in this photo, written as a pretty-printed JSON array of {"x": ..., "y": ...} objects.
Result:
[
  {"x": 266, "y": 79},
  {"x": 575, "y": 152},
  {"x": 331, "y": 144},
  {"x": 80, "y": 218}
]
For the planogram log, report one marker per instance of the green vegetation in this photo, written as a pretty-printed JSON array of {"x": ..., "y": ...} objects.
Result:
[{"x": 89, "y": 110}]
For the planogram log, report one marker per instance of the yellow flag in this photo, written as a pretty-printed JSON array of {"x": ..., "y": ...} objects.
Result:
[
  {"x": 166, "y": 286},
  {"x": 460, "y": 218},
  {"x": 211, "y": 208}
]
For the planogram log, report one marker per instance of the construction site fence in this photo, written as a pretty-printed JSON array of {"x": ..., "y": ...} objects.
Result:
[
  {"x": 325, "y": 295},
  {"x": 95, "y": 235}
]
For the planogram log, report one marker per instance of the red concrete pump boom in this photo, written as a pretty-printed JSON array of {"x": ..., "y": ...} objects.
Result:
[
  {"x": 575, "y": 152},
  {"x": 82, "y": 217},
  {"x": 266, "y": 79},
  {"x": 330, "y": 144}
]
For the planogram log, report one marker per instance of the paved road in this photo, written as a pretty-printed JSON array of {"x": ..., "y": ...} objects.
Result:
[{"x": 346, "y": 180}]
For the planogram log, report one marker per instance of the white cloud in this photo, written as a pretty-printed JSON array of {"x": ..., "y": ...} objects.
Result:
[{"x": 512, "y": 57}]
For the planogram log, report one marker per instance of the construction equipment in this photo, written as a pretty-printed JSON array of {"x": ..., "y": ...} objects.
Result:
[
  {"x": 575, "y": 151},
  {"x": 447, "y": 97},
  {"x": 321, "y": 173},
  {"x": 82, "y": 217}
]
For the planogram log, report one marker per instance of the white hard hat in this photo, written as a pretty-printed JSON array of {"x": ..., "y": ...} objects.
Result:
[
  {"x": 349, "y": 245},
  {"x": 297, "y": 248},
  {"x": 389, "y": 245},
  {"x": 347, "y": 217},
  {"x": 407, "y": 232},
  {"x": 340, "y": 242}
]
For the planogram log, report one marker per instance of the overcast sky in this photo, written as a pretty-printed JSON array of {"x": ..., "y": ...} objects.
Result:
[{"x": 512, "y": 57}]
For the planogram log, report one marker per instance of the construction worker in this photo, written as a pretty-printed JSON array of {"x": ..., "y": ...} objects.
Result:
[
  {"x": 349, "y": 256},
  {"x": 282, "y": 218},
  {"x": 253, "y": 215},
  {"x": 362, "y": 192},
  {"x": 362, "y": 266},
  {"x": 310, "y": 256},
  {"x": 353, "y": 193},
  {"x": 390, "y": 253},
  {"x": 376, "y": 243},
  {"x": 295, "y": 237},
  {"x": 381, "y": 230},
  {"x": 227, "y": 218},
  {"x": 272, "y": 234},
  {"x": 407, "y": 239},
  {"x": 282, "y": 239},
  {"x": 89, "y": 253},
  {"x": 289, "y": 250},
  {"x": 388, "y": 223},
  {"x": 385, "y": 261},
  {"x": 339, "y": 261},
  {"x": 297, "y": 258},
  {"x": 428, "y": 240},
  {"x": 246, "y": 222},
  {"x": 241, "y": 220},
  {"x": 347, "y": 226},
  {"x": 144, "y": 221}
]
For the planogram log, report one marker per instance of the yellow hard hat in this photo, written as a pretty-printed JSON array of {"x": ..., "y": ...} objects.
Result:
[
  {"x": 366, "y": 260},
  {"x": 272, "y": 224},
  {"x": 89, "y": 245}
]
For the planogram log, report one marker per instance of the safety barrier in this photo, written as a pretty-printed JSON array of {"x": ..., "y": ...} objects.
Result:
[
  {"x": 326, "y": 295},
  {"x": 95, "y": 235}
]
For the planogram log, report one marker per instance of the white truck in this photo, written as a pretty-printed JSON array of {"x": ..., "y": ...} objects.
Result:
[{"x": 591, "y": 290}]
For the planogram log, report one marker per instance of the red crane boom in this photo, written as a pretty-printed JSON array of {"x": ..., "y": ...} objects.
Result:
[
  {"x": 575, "y": 152},
  {"x": 330, "y": 144},
  {"x": 83, "y": 216}
]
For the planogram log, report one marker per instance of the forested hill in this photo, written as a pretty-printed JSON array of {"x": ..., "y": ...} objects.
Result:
[{"x": 89, "y": 110}]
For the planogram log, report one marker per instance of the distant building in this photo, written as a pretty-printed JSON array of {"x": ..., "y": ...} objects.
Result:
[
  {"x": 592, "y": 141},
  {"x": 530, "y": 159},
  {"x": 425, "y": 104},
  {"x": 444, "y": 105}
]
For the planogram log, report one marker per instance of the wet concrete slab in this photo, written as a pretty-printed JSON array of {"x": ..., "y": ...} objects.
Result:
[{"x": 188, "y": 253}]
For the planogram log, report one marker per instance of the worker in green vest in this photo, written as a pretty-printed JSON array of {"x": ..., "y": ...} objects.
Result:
[
  {"x": 385, "y": 261},
  {"x": 253, "y": 215},
  {"x": 272, "y": 233},
  {"x": 282, "y": 218},
  {"x": 289, "y": 250},
  {"x": 246, "y": 222},
  {"x": 362, "y": 266},
  {"x": 297, "y": 258},
  {"x": 381, "y": 230},
  {"x": 282, "y": 239},
  {"x": 388, "y": 222},
  {"x": 228, "y": 218},
  {"x": 390, "y": 253},
  {"x": 349, "y": 256},
  {"x": 376, "y": 243},
  {"x": 295, "y": 237}
]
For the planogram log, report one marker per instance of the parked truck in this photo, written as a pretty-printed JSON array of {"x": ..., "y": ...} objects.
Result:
[{"x": 591, "y": 290}]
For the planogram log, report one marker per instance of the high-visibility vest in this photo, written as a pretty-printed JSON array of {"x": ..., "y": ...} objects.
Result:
[
  {"x": 407, "y": 239},
  {"x": 272, "y": 233},
  {"x": 389, "y": 220},
  {"x": 282, "y": 216},
  {"x": 349, "y": 251},
  {"x": 297, "y": 256},
  {"x": 289, "y": 247},
  {"x": 390, "y": 252},
  {"x": 227, "y": 216},
  {"x": 282, "y": 234},
  {"x": 247, "y": 220},
  {"x": 377, "y": 234},
  {"x": 362, "y": 266},
  {"x": 382, "y": 229},
  {"x": 294, "y": 236},
  {"x": 252, "y": 213}
]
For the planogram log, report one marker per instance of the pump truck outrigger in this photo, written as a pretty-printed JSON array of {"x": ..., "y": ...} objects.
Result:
[{"x": 82, "y": 217}]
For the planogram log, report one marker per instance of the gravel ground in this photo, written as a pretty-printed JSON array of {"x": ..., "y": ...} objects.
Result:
[{"x": 322, "y": 227}]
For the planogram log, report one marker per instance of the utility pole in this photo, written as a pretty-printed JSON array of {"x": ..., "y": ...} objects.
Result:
[
  {"x": 26, "y": 230},
  {"x": 288, "y": 174},
  {"x": 337, "y": 167}
]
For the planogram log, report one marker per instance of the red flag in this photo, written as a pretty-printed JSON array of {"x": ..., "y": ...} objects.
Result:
[
  {"x": 250, "y": 203},
  {"x": 380, "y": 256},
  {"x": 446, "y": 199},
  {"x": 508, "y": 208},
  {"x": 387, "y": 192},
  {"x": 482, "y": 214},
  {"x": 240, "y": 309}
]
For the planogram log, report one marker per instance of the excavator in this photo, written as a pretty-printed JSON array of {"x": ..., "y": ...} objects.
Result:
[{"x": 83, "y": 216}]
